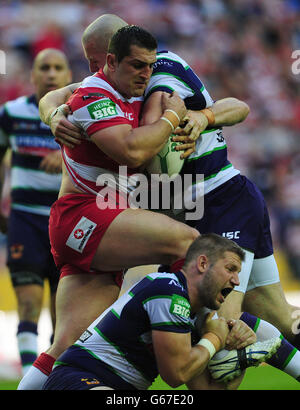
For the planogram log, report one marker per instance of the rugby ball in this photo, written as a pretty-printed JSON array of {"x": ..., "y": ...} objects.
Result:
[{"x": 167, "y": 161}]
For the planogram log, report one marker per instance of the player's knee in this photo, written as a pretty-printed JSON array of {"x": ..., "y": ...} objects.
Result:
[
  {"x": 60, "y": 344},
  {"x": 29, "y": 301},
  {"x": 29, "y": 309}
]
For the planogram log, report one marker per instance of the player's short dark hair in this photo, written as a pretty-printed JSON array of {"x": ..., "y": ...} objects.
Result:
[
  {"x": 213, "y": 246},
  {"x": 127, "y": 36}
]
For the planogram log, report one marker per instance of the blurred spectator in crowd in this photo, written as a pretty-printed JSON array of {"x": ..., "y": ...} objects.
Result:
[{"x": 51, "y": 36}]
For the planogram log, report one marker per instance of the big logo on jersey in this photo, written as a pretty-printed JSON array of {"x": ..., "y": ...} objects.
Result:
[
  {"x": 180, "y": 306},
  {"x": 102, "y": 109}
]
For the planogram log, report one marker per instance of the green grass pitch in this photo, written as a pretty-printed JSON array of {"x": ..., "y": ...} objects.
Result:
[{"x": 262, "y": 378}]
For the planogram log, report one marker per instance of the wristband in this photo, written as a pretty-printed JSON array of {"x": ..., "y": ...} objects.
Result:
[
  {"x": 209, "y": 115},
  {"x": 208, "y": 345},
  {"x": 213, "y": 340},
  {"x": 172, "y": 117},
  {"x": 168, "y": 121},
  {"x": 175, "y": 113}
]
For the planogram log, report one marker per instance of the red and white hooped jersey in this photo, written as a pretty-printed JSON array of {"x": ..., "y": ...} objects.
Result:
[{"x": 96, "y": 105}]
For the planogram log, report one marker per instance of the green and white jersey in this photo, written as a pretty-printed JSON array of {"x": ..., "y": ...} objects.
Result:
[
  {"x": 32, "y": 189},
  {"x": 117, "y": 347},
  {"x": 172, "y": 73}
]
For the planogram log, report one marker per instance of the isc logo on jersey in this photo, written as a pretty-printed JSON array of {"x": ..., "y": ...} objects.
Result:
[{"x": 102, "y": 109}]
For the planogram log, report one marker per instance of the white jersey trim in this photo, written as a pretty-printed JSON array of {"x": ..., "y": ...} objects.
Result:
[
  {"x": 91, "y": 173},
  {"x": 34, "y": 179},
  {"x": 96, "y": 82}
]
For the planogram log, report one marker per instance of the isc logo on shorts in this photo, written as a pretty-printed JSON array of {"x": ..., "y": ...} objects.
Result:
[{"x": 81, "y": 234}]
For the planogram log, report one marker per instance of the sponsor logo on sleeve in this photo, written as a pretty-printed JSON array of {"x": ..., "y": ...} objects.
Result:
[
  {"x": 102, "y": 109},
  {"x": 180, "y": 306}
]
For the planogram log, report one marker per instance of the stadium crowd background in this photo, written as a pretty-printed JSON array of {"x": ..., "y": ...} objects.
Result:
[{"x": 239, "y": 48}]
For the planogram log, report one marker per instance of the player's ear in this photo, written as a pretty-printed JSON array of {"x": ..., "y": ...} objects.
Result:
[
  {"x": 202, "y": 263},
  {"x": 111, "y": 61}
]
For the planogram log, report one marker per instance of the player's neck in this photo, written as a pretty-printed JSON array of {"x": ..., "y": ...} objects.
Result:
[
  {"x": 110, "y": 79},
  {"x": 193, "y": 293}
]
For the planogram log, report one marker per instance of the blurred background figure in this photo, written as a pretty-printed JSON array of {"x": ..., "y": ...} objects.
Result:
[
  {"x": 35, "y": 182},
  {"x": 240, "y": 48}
]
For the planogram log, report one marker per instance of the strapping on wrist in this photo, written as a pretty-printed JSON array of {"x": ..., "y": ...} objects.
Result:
[
  {"x": 209, "y": 115},
  {"x": 211, "y": 342},
  {"x": 171, "y": 117},
  {"x": 55, "y": 111},
  {"x": 168, "y": 121},
  {"x": 174, "y": 113}
]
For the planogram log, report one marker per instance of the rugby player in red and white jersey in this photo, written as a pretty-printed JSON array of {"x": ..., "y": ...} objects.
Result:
[{"x": 90, "y": 245}]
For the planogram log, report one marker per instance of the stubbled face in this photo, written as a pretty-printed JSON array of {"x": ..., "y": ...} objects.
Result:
[
  {"x": 220, "y": 280},
  {"x": 49, "y": 73},
  {"x": 131, "y": 76}
]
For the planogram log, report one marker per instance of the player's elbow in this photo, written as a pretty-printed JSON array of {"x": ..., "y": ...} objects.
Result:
[
  {"x": 237, "y": 110},
  {"x": 242, "y": 110},
  {"x": 245, "y": 109},
  {"x": 175, "y": 378},
  {"x": 173, "y": 382},
  {"x": 133, "y": 159},
  {"x": 136, "y": 158}
]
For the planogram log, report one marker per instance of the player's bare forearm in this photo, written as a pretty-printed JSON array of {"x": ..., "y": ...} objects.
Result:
[
  {"x": 152, "y": 111},
  {"x": 177, "y": 361},
  {"x": 225, "y": 112},
  {"x": 229, "y": 111},
  {"x": 134, "y": 147},
  {"x": 63, "y": 130},
  {"x": 54, "y": 99}
]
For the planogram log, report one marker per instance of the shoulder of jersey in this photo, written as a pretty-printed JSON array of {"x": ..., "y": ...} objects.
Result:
[
  {"x": 18, "y": 102},
  {"x": 170, "y": 55}
]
